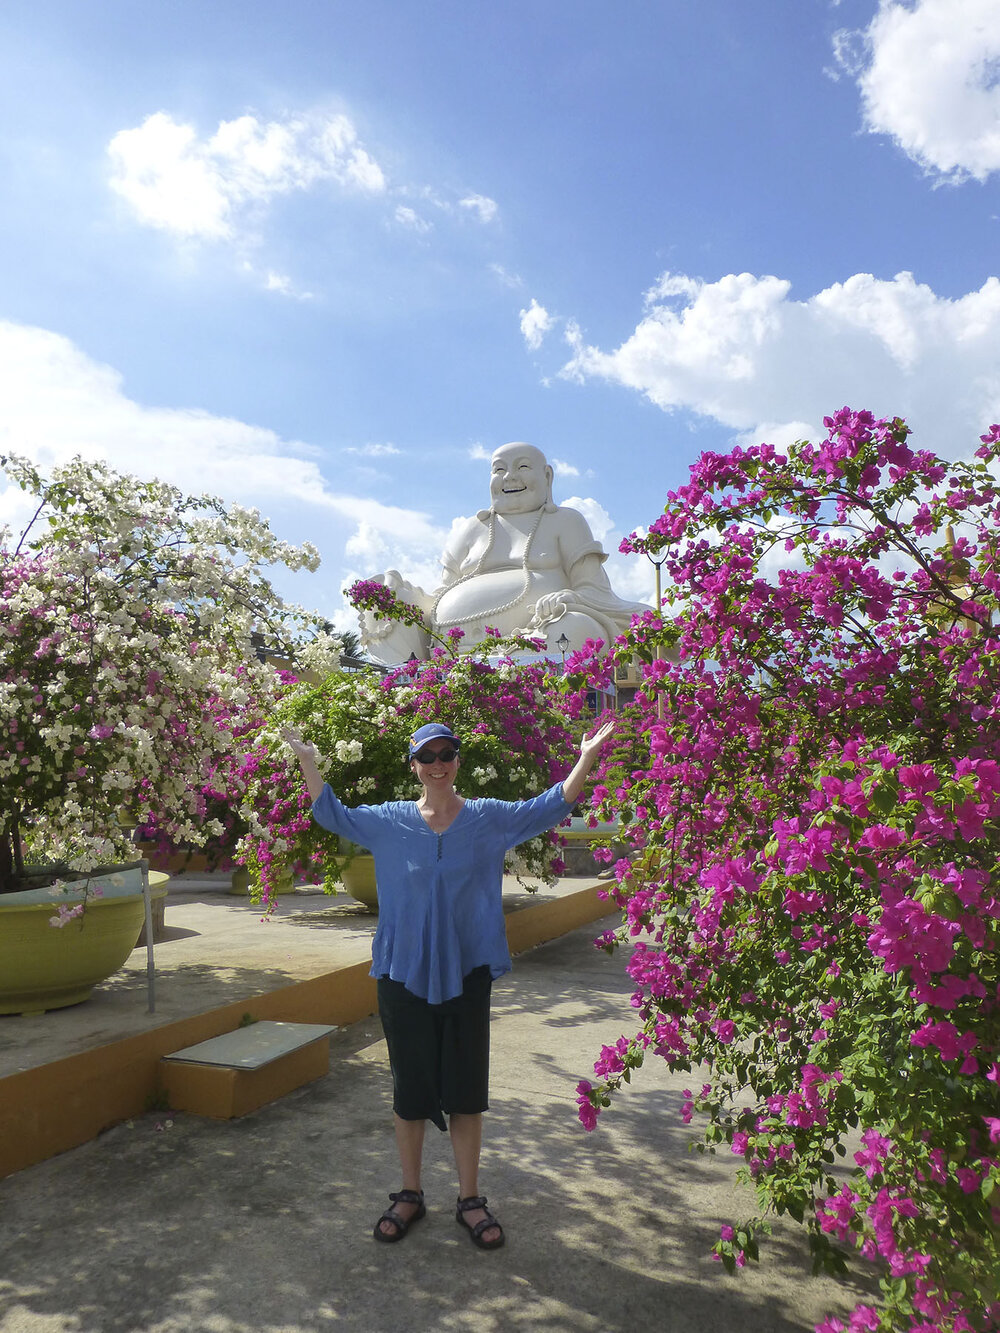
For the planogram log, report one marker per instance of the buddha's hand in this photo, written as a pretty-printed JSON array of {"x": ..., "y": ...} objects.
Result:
[{"x": 552, "y": 605}]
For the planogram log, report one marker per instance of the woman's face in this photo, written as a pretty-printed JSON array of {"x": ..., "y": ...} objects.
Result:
[{"x": 433, "y": 769}]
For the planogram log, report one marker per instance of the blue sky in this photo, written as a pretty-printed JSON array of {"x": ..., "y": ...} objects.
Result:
[{"x": 321, "y": 258}]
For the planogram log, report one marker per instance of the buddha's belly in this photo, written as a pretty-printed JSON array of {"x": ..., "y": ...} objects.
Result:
[{"x": 481, "y": 598}]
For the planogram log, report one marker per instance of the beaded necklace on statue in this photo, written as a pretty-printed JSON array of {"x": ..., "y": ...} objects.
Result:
[{"x": 506, "y": 606}]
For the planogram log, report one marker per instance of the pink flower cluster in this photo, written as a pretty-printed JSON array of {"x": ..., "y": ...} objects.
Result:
[{"x": 373, "y": 595}]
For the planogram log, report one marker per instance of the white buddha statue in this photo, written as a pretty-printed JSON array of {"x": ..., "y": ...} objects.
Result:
[{"x": 525, "y": 565}]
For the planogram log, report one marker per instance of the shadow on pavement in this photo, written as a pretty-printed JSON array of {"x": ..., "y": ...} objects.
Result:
[{"x": 265, "y": 1223}]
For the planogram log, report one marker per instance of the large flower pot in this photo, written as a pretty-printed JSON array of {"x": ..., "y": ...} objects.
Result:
[
  {"x": 578, "y": 850},
  {"x": 359, "y": 879},
  {"x": 47, "y": 967}
]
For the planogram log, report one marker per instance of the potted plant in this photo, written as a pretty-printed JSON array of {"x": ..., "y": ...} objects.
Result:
[
  {"x": 515, "y": 742},
  {"x": 125, "y": 615}
]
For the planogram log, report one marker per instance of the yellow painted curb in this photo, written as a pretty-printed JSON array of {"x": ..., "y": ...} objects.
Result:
[{"x": 58, "y": 1106}]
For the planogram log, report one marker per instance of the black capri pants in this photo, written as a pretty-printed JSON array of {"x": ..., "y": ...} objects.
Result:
[{"x": 439, "y": 1054}]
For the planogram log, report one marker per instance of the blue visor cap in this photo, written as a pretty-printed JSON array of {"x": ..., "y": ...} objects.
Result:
[{"x": 433, "y": 731}]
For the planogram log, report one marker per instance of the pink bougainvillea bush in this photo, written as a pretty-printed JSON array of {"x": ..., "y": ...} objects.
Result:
[
  {"x": 813, "y": 905},
  {"x": 514, "y": 745},
  {"x": 218, "y": 795}
]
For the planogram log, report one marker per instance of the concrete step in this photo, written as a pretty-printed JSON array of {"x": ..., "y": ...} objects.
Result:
[{"x": 238, "y": 1072}]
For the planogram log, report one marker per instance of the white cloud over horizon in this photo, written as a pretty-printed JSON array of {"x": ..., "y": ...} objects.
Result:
[
  {"x": 56, "y": 402},
  {"x": 927, "y": 73},
  {"x": 630, "y": 576},
  {"x": 739, "y": 350}
]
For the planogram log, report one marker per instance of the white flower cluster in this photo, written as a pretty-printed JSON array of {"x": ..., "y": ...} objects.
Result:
[
  {"x": 125, "y": 616},
  {"x": 320, "y": 656}
]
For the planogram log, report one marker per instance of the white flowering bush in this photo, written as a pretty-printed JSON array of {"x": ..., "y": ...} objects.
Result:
[{"x": 126, "y": 611}]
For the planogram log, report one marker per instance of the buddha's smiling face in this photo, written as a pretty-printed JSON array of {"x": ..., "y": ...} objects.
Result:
[{"x": 520, "y": 479}]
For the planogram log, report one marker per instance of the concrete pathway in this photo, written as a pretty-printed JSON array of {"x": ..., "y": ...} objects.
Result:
[{"x": 263, "y": 1225}]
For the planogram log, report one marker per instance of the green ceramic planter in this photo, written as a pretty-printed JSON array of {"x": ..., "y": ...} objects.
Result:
[
  {"x": 46, "y": 967},
  {"x": 359, "y": 879}
]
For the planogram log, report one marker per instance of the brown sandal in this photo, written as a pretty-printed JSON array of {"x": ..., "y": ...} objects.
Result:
[
  {"x": 470, "y": 1205},
  {"x": 402, "y": 1224}
]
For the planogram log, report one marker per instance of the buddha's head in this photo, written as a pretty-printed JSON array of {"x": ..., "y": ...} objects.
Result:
[{"x": 520, "y": 479}]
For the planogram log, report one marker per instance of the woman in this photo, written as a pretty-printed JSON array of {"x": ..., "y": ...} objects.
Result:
[{"x": 440, "y": 942}]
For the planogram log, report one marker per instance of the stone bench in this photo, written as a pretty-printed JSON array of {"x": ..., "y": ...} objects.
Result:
[{"x": 236, "y": 1073}]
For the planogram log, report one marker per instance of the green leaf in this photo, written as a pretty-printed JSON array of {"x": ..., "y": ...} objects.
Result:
[{"x": 885, "y": 797}]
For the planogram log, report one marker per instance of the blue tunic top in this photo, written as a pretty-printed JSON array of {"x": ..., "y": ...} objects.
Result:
[{"x": 440, "y": 894}]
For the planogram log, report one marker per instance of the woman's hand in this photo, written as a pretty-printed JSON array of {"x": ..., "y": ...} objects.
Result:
[
  {"x": 300, "y": 748},
  {"x": 590, "y": 746}
]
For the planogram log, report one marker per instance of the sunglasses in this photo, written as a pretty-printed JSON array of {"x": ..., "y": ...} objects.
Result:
[{"x": 435, "y": 756}]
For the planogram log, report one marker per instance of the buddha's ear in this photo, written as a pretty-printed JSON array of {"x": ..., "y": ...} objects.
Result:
[{"x": 549, "y": 474}]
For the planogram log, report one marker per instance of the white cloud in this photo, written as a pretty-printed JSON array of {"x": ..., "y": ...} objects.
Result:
[
  {"x": 779, "y": 433},
  {"x": 596, "y": 515},
  {"x": 368, "y": 546},
  {"x": 563, "y": 469},
  {"x": 481, "y": 205},
  {"x": 373, "y": 450},
  {"x": 928, "y": 75},
  {"x": 508, "y": 279},
  {"x": 535, "y": 324},
  {"x": 282, "y": 284},
  {"x": 631, "y": 577},
  {"x": 194, "y": 187},
  {"x": 409, "y": 217},
  {"x": 55, "y": 402},
  {"x": 480, "y": 454},
  {"x": 741, "y": 351}
]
